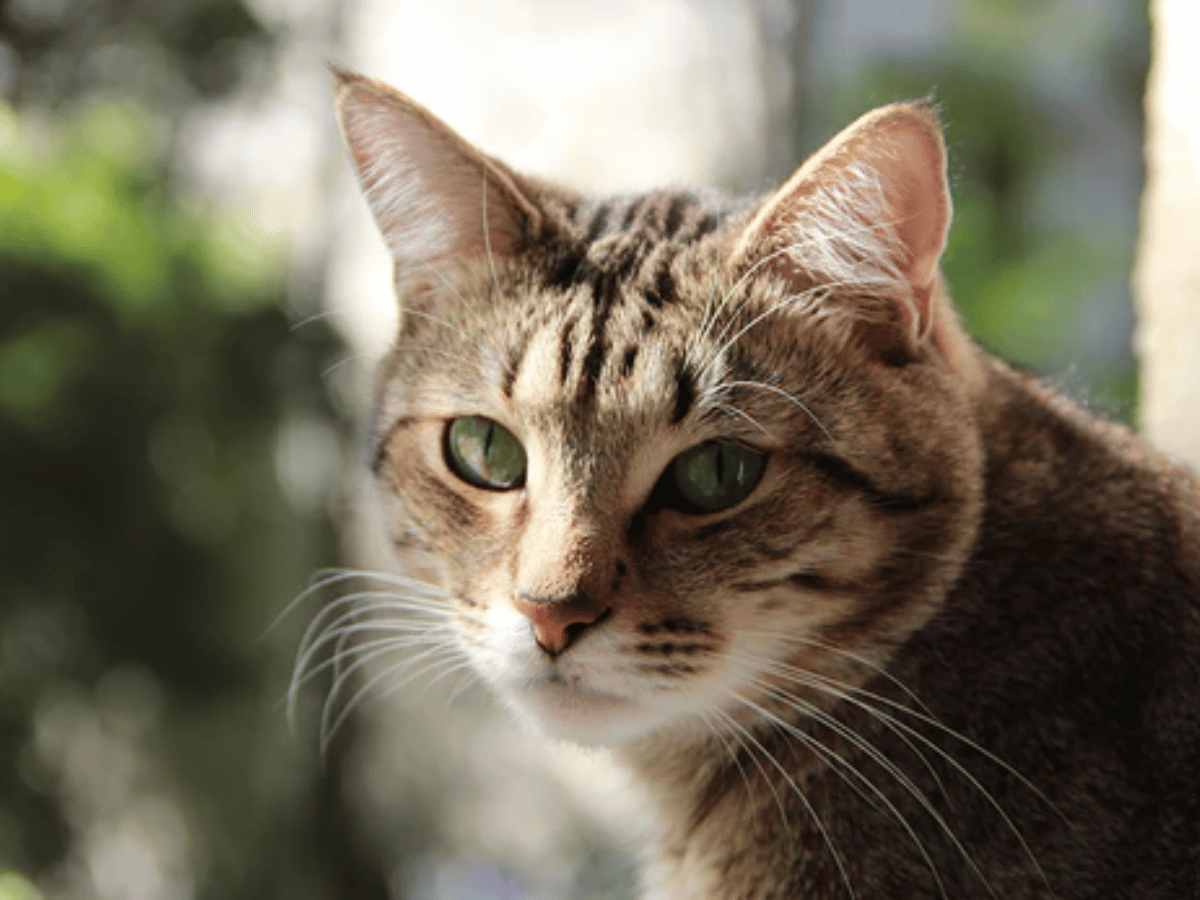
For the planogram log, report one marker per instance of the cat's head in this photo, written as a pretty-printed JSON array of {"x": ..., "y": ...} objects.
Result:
[{"x": 666, "y": 451}]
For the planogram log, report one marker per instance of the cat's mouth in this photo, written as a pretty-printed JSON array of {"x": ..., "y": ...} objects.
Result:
[
  {"x": 567, "y": 708},
  {"x": 572, "y": 692}
]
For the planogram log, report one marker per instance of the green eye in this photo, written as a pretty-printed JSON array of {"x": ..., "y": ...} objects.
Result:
[
  {"x": 485, "y": 454},
  {"x": 716, "y": 476}
]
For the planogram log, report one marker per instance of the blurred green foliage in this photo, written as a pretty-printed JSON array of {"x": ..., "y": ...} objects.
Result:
[
  {"x": 1040, "y": 104},
  {"x": 147, "y": 372}
]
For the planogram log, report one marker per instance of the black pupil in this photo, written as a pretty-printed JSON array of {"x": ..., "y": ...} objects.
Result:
[{"x": 487, "y": 441}]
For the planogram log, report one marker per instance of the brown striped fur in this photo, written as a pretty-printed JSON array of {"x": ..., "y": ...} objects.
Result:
[{"x": 949, "y": 645}]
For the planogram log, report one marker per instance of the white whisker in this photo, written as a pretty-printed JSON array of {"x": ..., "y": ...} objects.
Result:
[
  {"x": 837, "y": 857},
  {"x": 361, "y": 604},
  {"x": 738, "y": 733},
  {"x": 847, "y": 693},
  {"x": 326, "y": 577},
  {"x": 731, "y": 751},
  {"x": 792, "y": 398},
  {"x": 856, "y": 740},
  {"x": 330, "y": 725},
  {"x": 304, "y": 676}
]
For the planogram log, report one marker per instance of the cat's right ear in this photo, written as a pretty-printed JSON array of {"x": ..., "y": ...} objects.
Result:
[
  {"x": 865, "y": 219},
  {"x": 434, "y": 196}
]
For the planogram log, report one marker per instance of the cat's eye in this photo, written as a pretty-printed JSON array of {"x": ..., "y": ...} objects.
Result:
[
  {"x": 715, "y": 476},
  {"x": 485, "y": 454}
]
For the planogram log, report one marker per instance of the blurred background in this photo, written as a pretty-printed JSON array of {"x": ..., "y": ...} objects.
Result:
[{"x": 191, "y": 296}]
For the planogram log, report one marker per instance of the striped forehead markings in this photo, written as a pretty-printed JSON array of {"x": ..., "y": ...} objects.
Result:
[
  {"x": 565, "y": 350},
  {"x": 663, "y": 290},
  {"x": 605, "y": 291},
  {"x": 615, "y": 249},
  {"x": 512, "y": 365}
]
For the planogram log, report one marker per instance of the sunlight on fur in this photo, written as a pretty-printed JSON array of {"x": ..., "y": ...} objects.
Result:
[{"x": 721, "y": 484}]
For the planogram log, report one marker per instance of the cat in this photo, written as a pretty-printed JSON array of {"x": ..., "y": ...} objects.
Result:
[{"x": 723, "y": 485}]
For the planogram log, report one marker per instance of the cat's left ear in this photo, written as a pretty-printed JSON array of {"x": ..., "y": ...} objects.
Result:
[
  {"x": 867, "y": 215},
  {"x": 434, "y": 196}
]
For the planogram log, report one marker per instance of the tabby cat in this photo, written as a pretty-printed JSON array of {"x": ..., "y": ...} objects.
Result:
[{"x": 722, "y": 484}]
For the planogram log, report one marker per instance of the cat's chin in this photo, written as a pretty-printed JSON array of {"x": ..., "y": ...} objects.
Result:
[{"x": 580, "y": 715}]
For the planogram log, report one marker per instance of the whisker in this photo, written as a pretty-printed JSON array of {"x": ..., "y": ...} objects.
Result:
[
  {"x": 736, "y": 411},
  {"x": 737, "y": 734},
  {"x": 730, "y": 385},
  {"x": 731, "y": 751},
  {"x": 846, "y": 694},
  {"x": 710, "y": 319},
  {"x": 837, "y": 858},
  {"x": 341, "y": 363},
  {"x": 330, "y": 725},
  {"x": 395, "y": 630},
  {"x": 716, "y": 355},
  {"x": 365, "y": 654},
  {"x": 321, "y": 629},
  {"x": 312, "y": 317},
  {"x": 326, "y": 577},
  {"x": 360, "y": 602},
  {"x": 303, "y": 676},
  {"x": 848, "y": 734},
  {"x": 963, "y": 739},
  {"x": 854, "y": 657},
  {"x": 804, "y": 676},
  {"x": 363, "y": 659},
  {"x": 830, "y": 756},
  {"x": 438, "y": 320},
  {"x": 788, "y": 250},
  {"x": 463, "y": 683},
  {"x": 974, "y": 782}
]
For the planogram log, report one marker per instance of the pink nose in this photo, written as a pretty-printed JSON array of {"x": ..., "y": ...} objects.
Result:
[{"x": 557, "y": 623}]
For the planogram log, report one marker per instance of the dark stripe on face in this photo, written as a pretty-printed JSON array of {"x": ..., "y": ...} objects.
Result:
[
  {"x": 459, "y": 512},
  {"x": 599, "y": 223},
  {"x": 674, "y": 218},
  {"x": 625, "y": 258},
  {"x": 705, "y": 224},
  {"x": 805, "y": 580},
  {"x": 604, "y": 291},
  {"x": 663, "y": 290},
  {"x": 633, "y": 211},
  {"x": 627, "y": 362},
  {"x": 381, "y": 450},
  {"x": 843, "y": 473},
  {"x": 671, "y": 669},
  {"x": 565, "y": 350},
  {"x": 513, "y": 367},
  {"x": 685, "y": 393}
]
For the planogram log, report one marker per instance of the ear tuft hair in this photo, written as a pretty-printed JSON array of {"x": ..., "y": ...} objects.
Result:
[
  {"x": 867, "y": 214},
  {"x": 434, "y": 196}
]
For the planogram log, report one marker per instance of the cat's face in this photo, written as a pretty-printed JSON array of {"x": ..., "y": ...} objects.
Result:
[{"x": 666, "y": 452}]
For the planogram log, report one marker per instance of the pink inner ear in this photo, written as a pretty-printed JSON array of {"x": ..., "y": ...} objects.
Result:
[
  {"x": 913, "y": 174},
  {"x": 869, "y": 211}
]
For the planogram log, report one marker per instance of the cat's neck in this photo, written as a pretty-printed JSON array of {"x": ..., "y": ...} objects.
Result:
[{"x": 1038, "y": 443}]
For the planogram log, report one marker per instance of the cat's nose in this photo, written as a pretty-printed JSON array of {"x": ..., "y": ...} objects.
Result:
[{"x": 558, "y": 622}]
